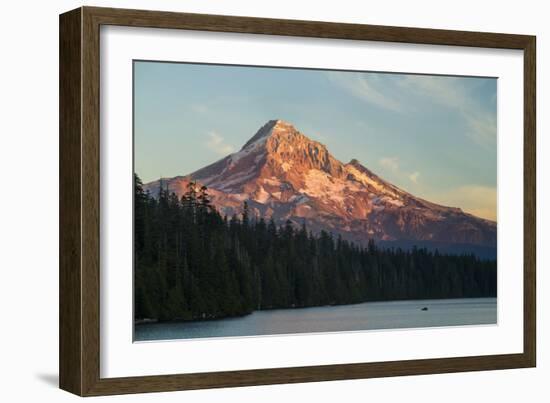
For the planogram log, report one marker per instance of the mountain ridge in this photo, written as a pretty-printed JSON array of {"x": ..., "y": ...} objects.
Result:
[{"x": 285, "y": 175}]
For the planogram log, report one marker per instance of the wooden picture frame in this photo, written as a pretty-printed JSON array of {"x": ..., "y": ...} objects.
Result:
[{"x": 79, "y": 346}]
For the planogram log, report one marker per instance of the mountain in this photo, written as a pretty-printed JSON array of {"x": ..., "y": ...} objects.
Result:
[{"x": 284, "y": 175}]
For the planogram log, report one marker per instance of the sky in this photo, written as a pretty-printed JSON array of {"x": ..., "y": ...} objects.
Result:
[{"x": 433, "y": 136}]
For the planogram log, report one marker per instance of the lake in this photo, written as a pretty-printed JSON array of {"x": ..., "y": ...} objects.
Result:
[{"x": 365, "y": 316}]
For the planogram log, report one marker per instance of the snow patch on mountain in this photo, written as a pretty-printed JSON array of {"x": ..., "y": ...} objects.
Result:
[
  {"x": 261, "y": 195},
  {"x": 272, "y": 181},
  {"x": 286, "y": 166},
  {"x": 237, "y": 179}
]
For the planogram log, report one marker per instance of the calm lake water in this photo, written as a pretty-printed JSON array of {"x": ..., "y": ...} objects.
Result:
[{"x": 366, "y": 316}]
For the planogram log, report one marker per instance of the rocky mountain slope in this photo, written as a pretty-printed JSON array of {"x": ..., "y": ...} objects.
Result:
[{"x": 284, "y": 175}]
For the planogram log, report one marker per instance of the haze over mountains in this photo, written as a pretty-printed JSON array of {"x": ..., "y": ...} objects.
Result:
[{"x": 284, "y": 175}]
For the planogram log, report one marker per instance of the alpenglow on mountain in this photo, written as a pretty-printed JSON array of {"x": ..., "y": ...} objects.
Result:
[{"x": 284, "y": 175}]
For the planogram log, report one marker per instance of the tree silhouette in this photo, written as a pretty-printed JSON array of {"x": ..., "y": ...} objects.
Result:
[{"x": 191, "y": 263}]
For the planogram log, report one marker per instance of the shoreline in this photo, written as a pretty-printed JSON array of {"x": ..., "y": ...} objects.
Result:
[{"x": 151, "y": 321}]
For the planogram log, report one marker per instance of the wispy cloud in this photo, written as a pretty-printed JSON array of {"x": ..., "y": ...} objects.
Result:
[
  {"x": 478, "y": 200},
  {"x": 370, "y": 88},
  {"x": 438, "y": 89},
  {"x": 217, "y": 144},
  {"x": 200, "y": 108},
  {"x": 452, "y": 94},
  {"x": 414, "y": 176},
  {"x": 392, "y": 164},
  {"x": 483, "y": 128},
  {"x": 408, "y": 93}
]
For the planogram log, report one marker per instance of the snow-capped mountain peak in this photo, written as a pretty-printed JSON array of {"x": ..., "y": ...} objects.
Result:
[{"x": 285, "y": 175}]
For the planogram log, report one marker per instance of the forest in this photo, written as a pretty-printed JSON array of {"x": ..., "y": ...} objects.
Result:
[{"x": 192, "y": 263}]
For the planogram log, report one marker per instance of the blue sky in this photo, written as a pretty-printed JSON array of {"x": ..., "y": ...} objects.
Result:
[{"x": 434, "y": 136}]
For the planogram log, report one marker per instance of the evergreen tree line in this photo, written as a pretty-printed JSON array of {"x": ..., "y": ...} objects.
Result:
[{"x": 192, "y": 263}]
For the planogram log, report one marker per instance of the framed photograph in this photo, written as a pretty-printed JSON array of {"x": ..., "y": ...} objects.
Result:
[{"x": 249, "y": 201}]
